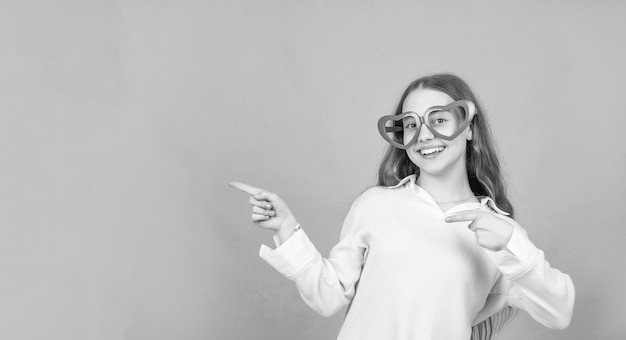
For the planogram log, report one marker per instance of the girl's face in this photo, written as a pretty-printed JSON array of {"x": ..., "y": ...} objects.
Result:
[{"x": 434, "y": 156}]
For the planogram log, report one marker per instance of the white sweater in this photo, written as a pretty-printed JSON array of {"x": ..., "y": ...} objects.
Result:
[{"x": 407, "y": 274}]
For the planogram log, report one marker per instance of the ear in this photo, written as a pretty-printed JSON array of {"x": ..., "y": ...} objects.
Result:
[{"x": 469, "y": 133}]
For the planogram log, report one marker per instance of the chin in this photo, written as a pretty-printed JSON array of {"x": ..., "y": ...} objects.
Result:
[
  {"x": 437, "y": 166},
  {"x": 432, "y": 170}
]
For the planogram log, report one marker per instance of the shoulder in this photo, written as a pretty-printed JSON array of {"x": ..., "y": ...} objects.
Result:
[{"x": 377, "y": 195}]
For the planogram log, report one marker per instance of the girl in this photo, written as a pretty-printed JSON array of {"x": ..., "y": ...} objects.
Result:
[{"x": 432, "y": 251}]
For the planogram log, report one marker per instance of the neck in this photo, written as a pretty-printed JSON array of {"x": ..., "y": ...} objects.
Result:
[{"x": 448, "y": 187}]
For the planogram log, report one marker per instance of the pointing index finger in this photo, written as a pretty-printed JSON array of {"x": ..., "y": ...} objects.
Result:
[
  {"x": 467, "y": 215},
  {"x": 248, "y": 189}
]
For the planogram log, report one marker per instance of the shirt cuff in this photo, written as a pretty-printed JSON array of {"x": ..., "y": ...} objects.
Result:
[
  {"x": 520, "y": 257},
  {"x": 292, "y": 257}
]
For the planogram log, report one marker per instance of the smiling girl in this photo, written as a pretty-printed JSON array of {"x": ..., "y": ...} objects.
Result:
[{"x": 432, "y": 251}]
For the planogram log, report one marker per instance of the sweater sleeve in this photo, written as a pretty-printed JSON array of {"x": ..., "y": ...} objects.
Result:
[
  {"x": 544, "y": 292},
  {"x": 325, "y": 284}
]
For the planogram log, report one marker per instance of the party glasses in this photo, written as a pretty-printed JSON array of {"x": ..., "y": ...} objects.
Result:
[{"x": 445, "y": 122}]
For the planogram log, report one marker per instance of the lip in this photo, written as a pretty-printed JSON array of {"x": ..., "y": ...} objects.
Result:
[
  {"x": 429, "y": 156},
  {"x": 423, "y": 147}
]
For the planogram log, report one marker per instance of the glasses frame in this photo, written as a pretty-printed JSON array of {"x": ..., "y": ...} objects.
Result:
[{"x": 467, "y": 105}]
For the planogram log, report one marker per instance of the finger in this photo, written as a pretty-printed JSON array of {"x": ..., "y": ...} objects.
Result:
[
  {"x": 266, "y": 196},
  {"x": 260, "y": 204},
  {"x": 468, "y": 215},
  {"x": 248, "y": 189},
  {"x": 259, "y": 218},
  {"x": 261, "y": 211}
]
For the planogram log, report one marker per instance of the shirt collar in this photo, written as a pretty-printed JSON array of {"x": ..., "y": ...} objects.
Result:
[
  {"x": 404, "y": 180},
  {"x": 484, "y": 200},
  {"x": 488, "y": 201}
]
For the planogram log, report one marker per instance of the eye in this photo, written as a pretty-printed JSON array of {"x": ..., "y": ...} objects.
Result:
[
  {"x": 409, "y": 123},
  {"x": 439, "y": 121}
]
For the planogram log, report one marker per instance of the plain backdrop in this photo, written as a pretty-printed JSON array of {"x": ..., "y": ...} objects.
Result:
[{"x": 122, "y": 122}]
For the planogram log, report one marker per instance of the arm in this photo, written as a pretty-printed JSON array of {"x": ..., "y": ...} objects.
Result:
[
  {"x": 325, "y": 284},
  {"x": 544, "y": 292}
]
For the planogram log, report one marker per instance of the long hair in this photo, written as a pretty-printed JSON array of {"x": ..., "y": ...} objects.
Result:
[{"x": 482, "y": 164}]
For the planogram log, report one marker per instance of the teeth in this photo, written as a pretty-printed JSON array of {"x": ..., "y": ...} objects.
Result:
[{"x": 432, "y": 150}]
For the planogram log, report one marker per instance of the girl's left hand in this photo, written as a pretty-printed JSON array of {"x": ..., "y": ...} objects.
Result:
[{"x": 492, "y": 230}]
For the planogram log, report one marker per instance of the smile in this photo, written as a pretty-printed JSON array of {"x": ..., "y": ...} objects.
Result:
[{"x": 431, "y": 151}]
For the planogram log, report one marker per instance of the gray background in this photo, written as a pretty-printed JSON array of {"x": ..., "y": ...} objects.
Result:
[{"x": 121, "y": 123}]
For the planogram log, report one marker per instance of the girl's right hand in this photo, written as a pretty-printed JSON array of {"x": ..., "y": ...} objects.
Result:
[{"x": 268, "y": 210}]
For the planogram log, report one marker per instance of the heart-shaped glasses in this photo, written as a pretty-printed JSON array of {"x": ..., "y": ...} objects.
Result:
[{"x": 445, "y": 122}]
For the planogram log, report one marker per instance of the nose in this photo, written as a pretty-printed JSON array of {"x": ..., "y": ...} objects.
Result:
[{"x": 424, "y": 134}]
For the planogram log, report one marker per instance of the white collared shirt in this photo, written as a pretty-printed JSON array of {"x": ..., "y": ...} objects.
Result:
[{"x": 408, "y": 274}]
